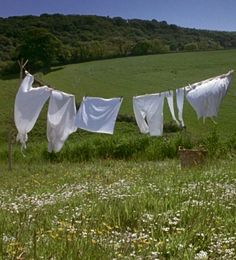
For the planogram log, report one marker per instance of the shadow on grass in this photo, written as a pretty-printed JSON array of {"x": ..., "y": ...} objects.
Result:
[
  {"x": 44, "y": 71},
  {"x": 9, "y": 76},
  {"x": 49, "y": 70}
]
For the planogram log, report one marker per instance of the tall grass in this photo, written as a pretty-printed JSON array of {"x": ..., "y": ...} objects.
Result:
[
  {"x": 118, "y": 210},
  {"x": 122, "y": 196},
  {"x": 125, "y": 147}
]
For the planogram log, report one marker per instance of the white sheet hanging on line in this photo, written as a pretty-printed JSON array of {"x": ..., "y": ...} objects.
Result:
[
  {"x": 60, "y": 119},
  {"x": 98, "y": 114},
  {"x": 170, "y": 99},
  {"x": 180, "y": 104},
  {"x": 205, "y": 97},
  {"x": 148, "y": 111},
  {"x": 29, "y": 102}
]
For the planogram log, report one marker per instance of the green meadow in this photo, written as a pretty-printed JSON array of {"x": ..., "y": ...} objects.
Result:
[
  {"x": 132, "y": 76},
  {"x": 116, "y": 209},
  {"x": 128, "y": 77},
  {"x": 123, "y": 196}
]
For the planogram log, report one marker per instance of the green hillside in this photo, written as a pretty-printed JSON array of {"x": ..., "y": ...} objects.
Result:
[
  {"x": 64, "y": 39},
  {"x": 135, "y": 76}
]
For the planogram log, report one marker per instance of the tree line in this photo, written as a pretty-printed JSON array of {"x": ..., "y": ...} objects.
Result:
[{"x": 49, "y": 40}]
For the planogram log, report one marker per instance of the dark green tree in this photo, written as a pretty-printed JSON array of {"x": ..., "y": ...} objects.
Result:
[
  {"x": 192, "y": 46},
  {"x": 158, "y": 47},
  {"x": 142, "y": 48},
  {"x": 41, "y": 48}
]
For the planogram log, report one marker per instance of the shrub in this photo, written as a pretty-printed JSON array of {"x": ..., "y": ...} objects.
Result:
[
  {"x": 126, "y": 146},
  {"x": 231, "y": 143},
  {"x": 191, "y": 46},
  {"x": 9, "y": 68}
]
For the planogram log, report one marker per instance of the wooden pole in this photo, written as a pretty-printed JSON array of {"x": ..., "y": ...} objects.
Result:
[{"x": 42, "y": 83}]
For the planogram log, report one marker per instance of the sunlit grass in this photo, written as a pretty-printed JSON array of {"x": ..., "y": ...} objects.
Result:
[
  {"x": 116, "y": 209},
  {"x": 132, "y": 76},
  {"x": 121, "y": 197}
]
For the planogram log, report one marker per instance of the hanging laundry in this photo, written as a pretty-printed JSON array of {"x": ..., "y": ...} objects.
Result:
[
  {"x": 98, "y": 114},
  {"x": 170, "y": 99},
  {"x": 29, "y": 102},
  {"x": 180, "y": 104},
  {"x": 205, "y": 97},
  {"x": 148, "y": 111},
  {"x": 60, "y": 119}
]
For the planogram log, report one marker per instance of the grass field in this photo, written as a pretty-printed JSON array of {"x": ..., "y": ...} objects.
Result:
[
  {"x": 118, "y": 210},
  {"x": 120, "y": 197},
  {"x": 135, "y": 76}
]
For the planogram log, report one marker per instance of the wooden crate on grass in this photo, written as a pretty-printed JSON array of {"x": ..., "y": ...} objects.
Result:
[{"x": 192, "y": 157}]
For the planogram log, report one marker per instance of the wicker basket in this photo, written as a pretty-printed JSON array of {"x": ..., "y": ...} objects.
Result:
[{"x": 192, "y": 157}]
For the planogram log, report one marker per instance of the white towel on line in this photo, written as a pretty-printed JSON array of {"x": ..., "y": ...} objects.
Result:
[
  {"x": 98, "y": 114},
  {"x": 29, "y": 102},
  {"x": 60, "y": 119},
  {"x": 180, "y": 104},
  {"x": 205, "y": 98},
  {"x": 148, "y": 111},
  {"x": 170, "y": 99}
]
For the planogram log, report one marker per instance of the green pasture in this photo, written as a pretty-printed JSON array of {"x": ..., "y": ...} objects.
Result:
[
  {"x": 135, "y": 76},
  {"x": 132, "y": 76},
  {"x": 123, "y": 196},
  {"x": 118, "y": 210}
]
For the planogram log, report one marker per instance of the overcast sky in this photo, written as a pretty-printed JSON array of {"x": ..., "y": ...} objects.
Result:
[{"x": 201, "y": 14}]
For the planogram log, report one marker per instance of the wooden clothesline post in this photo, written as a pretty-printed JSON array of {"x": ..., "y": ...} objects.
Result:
[
  {"x": 22, "y": 65},
  {"x": 11, "y": 133}
]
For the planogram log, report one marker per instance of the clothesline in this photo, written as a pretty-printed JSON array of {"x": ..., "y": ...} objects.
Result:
[
  {"x": 99, "y": 115},
  {"x": 192, "y": 86}
]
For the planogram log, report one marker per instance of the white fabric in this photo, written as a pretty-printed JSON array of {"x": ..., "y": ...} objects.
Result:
[
  {"x": 60, "y": 119},
  {"x": 205, "y": 98},
  {"x": 148, "y": 111},
  {"x": 170, "y": 99},
  {"x": 98, "y": 114},
  {"x": 180, "y": 104},
  {"x": 29, "y": 102}
]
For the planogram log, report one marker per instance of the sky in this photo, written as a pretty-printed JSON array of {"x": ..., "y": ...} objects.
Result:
[{"x": 199, "y": 14}]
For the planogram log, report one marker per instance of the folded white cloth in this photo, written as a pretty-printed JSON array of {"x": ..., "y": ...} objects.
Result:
[
  {"x": 98, "y": 114},
  {"x": 60, "y": 119},
  {"x": 29, "y": 102}
]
